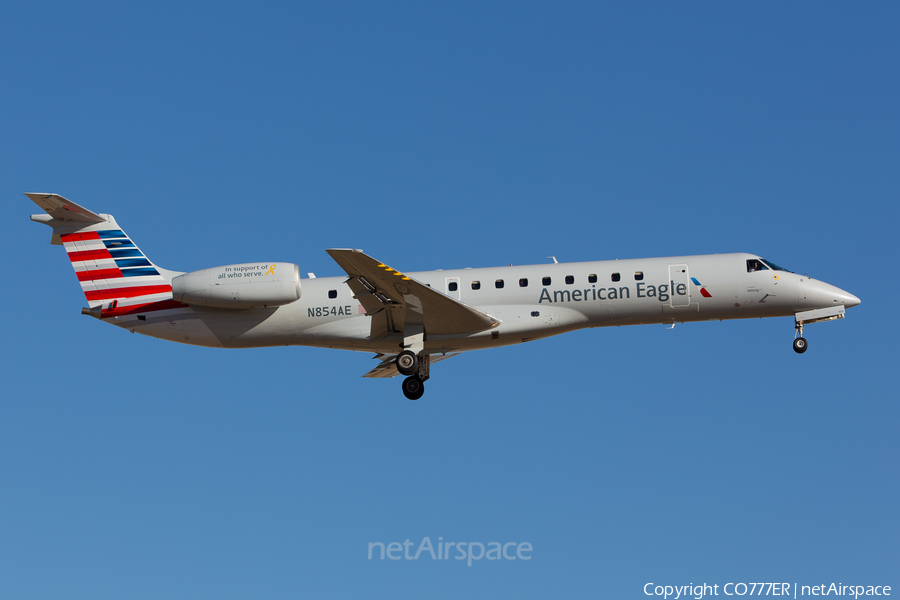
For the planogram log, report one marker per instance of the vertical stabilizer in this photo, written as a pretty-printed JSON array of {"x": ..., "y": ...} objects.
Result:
[{"x": 116, "y": 277}]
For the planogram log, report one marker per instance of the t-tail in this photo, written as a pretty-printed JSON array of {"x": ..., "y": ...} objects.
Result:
[{"x": 116, "y": 277}]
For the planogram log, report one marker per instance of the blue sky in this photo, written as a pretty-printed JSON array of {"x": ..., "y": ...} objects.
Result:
[{"x": 444, "y": 136}]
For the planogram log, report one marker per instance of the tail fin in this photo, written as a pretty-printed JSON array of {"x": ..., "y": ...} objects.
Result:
[{"x": 116, "y": 277}]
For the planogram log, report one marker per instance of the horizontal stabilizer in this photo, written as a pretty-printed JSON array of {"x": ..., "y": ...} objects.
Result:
[{"x": 64, "y": 210}]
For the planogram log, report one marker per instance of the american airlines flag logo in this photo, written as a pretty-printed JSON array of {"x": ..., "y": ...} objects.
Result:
[
  {"x": 703, "y": 291},
  {"x": 115, "y": 275}
]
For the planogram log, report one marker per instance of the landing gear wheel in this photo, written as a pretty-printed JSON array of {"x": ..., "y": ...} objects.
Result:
[
  {"x": 413, "y": 388},
  {"x": 407, "y": 362},
  {"x": 800, "y": 345}
]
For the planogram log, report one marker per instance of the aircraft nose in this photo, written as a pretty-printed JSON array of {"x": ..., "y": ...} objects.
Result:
[
  {"x": 821, "y": 294},
  {"x": 839, "y": 296},
  {"x": 848, "y": 299}
]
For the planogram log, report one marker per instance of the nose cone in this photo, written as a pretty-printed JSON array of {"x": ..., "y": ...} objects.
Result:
[
  {"x": 822, "y": 294},
  {"x": 848, "y": 299}
]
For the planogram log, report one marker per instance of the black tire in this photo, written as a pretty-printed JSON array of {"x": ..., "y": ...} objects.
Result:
[
  {"x": 800, "y": 345},
  {"x": 413, "y": 388},
  {"x": 407, "y": 362}
]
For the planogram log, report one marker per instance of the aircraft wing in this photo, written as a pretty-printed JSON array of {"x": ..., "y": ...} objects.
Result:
[
  {"x": 393, "y": 300},
  {"x": 64, "y": 210},
  {"x": 387, "y": 367}
]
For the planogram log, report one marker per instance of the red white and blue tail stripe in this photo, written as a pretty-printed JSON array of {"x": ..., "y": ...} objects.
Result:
[{"x": 116, "y": 277}]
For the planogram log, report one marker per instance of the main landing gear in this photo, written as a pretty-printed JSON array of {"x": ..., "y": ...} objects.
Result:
[
  {"x": 412, "y": 361},
  {"x": 407, "y": 362},
  {"x": 418, "y": 368},
  {"x": 413, "y": 387}
]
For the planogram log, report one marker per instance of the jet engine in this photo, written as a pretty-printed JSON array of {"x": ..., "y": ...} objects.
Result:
[{"x": 249, "y": 285}]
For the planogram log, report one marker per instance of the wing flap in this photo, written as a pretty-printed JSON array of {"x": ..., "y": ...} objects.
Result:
[{"x": 379, "y": 288}]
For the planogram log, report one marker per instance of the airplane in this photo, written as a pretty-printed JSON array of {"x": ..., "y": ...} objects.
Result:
[{"x": 411, "y": 320}]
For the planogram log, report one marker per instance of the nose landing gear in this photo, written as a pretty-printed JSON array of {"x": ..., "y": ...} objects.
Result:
[
  {"x": 800, "y": 344},
  {"x": 813, "y": 316}
]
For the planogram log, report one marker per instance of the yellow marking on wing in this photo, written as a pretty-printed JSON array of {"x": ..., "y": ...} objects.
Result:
[{"x": 390, "y": 270}]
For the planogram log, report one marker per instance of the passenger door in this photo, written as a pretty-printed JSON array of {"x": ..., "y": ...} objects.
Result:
[{"x": 678, "y": 275}]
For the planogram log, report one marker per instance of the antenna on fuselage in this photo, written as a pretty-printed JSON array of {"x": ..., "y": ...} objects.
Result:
[{"x": 555, "y": 262}]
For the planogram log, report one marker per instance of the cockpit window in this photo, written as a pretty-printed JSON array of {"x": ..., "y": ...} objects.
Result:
[
  {"x": 760, "y": 264},
  {"x": 773, "y": 266},
  {"x": 756, "y": 264}
]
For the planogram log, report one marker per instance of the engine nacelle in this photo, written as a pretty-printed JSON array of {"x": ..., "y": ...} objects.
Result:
[{"x": 249, "y": 285}]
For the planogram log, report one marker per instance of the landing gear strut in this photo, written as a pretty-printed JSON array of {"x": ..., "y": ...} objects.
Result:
[{"x": 800, "y": 344}]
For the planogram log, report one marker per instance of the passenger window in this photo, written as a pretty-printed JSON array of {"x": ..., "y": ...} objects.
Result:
[
  {"x": 755, "y": 264},
  {"x": 452, "y": 286},
  {"x": 523, "y": 282},
  {"x": 592, "y": 279},
  {"x": 332, "y": 293},
  {"x": 476, "y": 285},
  {"x": 498, "y": 284},
  {"x": 638, "y": 275},
  {"x": 570, "y": 279},
  {"x": 545, "y": 281},
  {"x": 615, "y": 277}
]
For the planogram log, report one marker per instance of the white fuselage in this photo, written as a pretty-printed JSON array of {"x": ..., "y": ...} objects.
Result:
[{"x": 528, "y": 306}]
